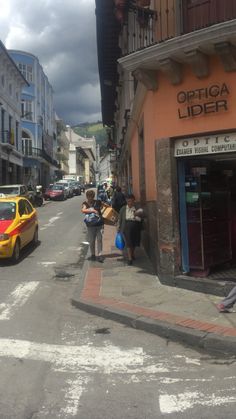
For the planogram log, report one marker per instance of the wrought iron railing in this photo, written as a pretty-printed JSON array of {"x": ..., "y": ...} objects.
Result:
[
  {"x": 32, "y": 151},
  {"x": 139, "y": 31},
  {"x": 37, "y": 152},
  {"x": 144, "y": 27}
]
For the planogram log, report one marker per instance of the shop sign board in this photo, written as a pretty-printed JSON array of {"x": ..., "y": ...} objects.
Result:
[
  {"x": 208, "y": 144},
  {"x": 204, "y": 101}
]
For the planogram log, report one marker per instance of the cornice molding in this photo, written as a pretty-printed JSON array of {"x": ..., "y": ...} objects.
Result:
[{"x": 203, "y": 40}]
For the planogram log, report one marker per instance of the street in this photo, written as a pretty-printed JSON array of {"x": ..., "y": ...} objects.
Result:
[{"x": 59, "y": 362}]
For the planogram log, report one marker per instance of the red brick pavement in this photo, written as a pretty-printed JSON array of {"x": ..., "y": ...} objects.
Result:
[{"x": 92, "y": 293}]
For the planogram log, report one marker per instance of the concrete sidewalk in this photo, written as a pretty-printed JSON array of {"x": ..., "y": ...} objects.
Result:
[{"x": 134, "y": 295}]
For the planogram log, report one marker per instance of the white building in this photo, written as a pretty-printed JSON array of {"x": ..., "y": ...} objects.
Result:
[
  {"x": 11, "y": 85},
  {"x": 82, "y": 156}
]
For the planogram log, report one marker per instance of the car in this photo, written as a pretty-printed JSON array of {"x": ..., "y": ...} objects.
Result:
[
  {"x": 76, "y": 187},
  {"x": 57, "y": 193},
  {"x": 18, "y": 226},
  {"x": 46, "y": 193},
  {"x": 82, "y": 187},
  {"x": 68, "y": 187},
  {"x": 15, "y": 190}
]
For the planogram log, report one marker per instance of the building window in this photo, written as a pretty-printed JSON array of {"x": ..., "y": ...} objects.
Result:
[
  {"x": 27, "y": 71},
  {"x": 2, "y": 124},
  {"x": 17, "y": 134},
  {"x": 27, "y": 110},
  {"x": 3, "y": 80},
  {"x": 10, "y": 89},
  {"x": 26, "y": 144}
]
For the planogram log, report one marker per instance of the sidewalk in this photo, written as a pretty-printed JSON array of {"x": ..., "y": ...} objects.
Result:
[{"x": 133, "y": 295}]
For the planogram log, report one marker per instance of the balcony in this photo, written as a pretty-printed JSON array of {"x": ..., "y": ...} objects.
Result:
[
  {"x": 144, "y": 27},
  {"x": 32, "y": 152},
  {"x": 61, "y": 154}
]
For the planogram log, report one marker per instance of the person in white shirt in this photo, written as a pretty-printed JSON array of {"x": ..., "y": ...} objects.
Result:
[{"x": 130, "y": 224}]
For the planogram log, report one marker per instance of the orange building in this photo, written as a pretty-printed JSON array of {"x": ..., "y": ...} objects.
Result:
[{"x": 168, "y": 83}]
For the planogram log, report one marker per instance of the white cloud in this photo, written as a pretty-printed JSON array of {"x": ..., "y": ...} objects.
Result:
[{"x": 63, "y": 36}]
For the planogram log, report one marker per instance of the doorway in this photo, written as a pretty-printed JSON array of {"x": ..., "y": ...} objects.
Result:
[{"x": 207, "y": 197}]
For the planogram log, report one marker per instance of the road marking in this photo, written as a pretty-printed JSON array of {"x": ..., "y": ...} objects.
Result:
[
  {"x": 46, "y": 264},
  {"x": 17, "y": 299},
  {"x": 72, "y": 396},
  {"x": 51, "y": 221},
  {"x": 76, "y": 360},
  {"x": 108, "y": 359},
  {"x": 170, "y": 403}
]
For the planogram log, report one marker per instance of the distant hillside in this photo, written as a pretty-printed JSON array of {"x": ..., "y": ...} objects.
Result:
[{"x": 95, "y": 129}]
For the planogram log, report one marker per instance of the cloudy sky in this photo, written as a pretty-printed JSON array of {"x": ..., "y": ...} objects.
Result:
[{"x": 62, "y": 34}]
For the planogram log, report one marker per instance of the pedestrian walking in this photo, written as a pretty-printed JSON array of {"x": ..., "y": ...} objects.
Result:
[
  {"x": 118, "y": 199},
  {"x": 95, "y": 225},
  {"x": 228, "y": 302},
  {"x": 130, "y": 224}
]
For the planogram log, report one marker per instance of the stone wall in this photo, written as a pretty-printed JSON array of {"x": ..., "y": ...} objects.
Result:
[
  {"x": 149, "y": 233},
  {"x": 168, "y": 239}
]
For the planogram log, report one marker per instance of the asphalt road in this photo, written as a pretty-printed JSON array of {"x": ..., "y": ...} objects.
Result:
[{"x": 59, "y": 362}]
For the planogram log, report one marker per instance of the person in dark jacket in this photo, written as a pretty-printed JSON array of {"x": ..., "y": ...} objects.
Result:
[
  {"x": 130, "y": 224},
  {"x": 118, "y": 199}
]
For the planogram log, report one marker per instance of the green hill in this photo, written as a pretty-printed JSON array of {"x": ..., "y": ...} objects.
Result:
[{"x": 95, "y": 129}]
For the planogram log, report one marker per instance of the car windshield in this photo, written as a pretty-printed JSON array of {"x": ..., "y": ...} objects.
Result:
[
  {"x": 11, "y": 190},
  {"x": 7, "y": 211},
  {"x": 58, "y": 188}
]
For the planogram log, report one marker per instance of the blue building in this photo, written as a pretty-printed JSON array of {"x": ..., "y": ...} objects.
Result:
[{"x": 37, "y": 121}]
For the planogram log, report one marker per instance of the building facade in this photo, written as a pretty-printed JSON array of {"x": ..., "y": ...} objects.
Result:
[
  {"x": 82, "y": 156},
  {"x": 11, "y": 84},
  {"x": 38, "y": 122},
  {"x": 62, "y": 152},
  {"x": 168, "y": 84}
]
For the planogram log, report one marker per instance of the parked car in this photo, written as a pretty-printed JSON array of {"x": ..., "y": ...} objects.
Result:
[
  {"x": 15, "y": 190},
  {"x": 82, "y": 187},
  {"x": 77, "y": 188},
  {"x": 18, "y": 226},
  {"x": 57, "y": 193},
  {"x": 36, "y": 195},
  {"x": 46, "y": 194},
  {"x": 67, "y": 186}
]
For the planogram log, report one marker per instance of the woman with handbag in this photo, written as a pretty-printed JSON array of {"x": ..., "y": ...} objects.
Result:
[
  {"x": 94, "y": 222},
  {"x": 130, "y": 224}
]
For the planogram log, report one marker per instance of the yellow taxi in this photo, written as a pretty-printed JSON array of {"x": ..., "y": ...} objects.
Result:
[{"x": 18, "y": 226}]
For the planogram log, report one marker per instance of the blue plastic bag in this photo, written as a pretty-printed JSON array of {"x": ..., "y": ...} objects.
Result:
[{"x": 119, "y": 241}]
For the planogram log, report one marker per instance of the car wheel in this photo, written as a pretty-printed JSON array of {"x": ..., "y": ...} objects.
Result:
[
  {"x": 35, "y": 240},
  {"x": 16, "y": 252}
]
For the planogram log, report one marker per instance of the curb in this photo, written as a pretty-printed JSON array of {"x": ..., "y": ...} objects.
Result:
[
  {"x": 87, "y": 298},
  {"x": 209, "y": 342}
]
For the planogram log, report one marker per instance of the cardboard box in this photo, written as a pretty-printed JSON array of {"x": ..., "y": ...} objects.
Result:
[{"x": 109, "y": 215}]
